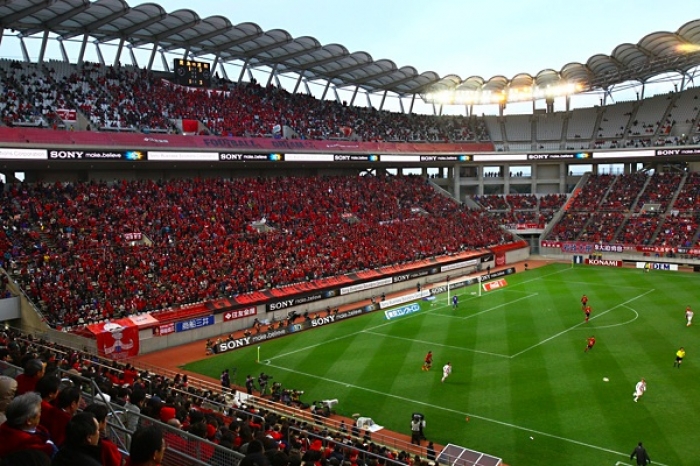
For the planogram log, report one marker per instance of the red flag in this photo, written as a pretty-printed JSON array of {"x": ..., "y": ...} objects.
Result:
[{"x": 189, "y": 126}]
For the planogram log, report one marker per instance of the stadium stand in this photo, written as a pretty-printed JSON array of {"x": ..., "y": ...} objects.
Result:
[
  {"x": 627, "y": 214},
  {"x": 202, "y": 424},
  {"x": 72, "y": 245}
]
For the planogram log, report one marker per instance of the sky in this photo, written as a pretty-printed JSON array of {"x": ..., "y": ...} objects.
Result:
[
  {"x": 449, "y": 37},
  {"x": 459, "y": 36}
]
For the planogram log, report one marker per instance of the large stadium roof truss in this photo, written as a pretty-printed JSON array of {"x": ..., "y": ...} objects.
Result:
[{"x": 149, "y": 25}]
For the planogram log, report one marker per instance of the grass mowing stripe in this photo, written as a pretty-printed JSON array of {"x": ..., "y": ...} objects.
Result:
[{"x": 553, "y": 392}]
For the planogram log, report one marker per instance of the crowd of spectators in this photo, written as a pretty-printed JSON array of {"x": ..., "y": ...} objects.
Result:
[
  {"x": 37, "y": 422},
  {"x": 634, "y": 209},
  {"x": 89, "y": 251},
  {"x": 128, "y": 99},
  {"x": 513, "y": 210}
]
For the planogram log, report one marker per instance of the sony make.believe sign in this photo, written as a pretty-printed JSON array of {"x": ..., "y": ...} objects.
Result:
[
  {"x": 129, "y": 155},
  {"x": 260, "y": 337}
]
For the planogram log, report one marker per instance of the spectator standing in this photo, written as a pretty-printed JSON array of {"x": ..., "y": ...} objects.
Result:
[
  {"x": 225, "y": 379},
  {"x": 249, "y": 384},
  {"x": 430, "y": 451},
  {"x": 641, "y": 454},
  {"x": 132, "y": 409}
]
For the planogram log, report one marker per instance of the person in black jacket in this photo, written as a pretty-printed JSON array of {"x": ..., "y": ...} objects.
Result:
[
  {"x": 641, "y": 454},
  {"x": 255, "y": 455},
  {"x": 80, "y": 447}
]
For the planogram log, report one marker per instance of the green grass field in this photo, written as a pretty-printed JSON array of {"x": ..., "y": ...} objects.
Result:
[{"x": 519, "y": 367}]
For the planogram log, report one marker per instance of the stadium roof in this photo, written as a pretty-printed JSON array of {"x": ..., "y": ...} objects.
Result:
[{"x": 246, "y": 43}]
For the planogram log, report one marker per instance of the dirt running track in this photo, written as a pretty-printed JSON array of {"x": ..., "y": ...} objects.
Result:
[{"x": 173, "y": 359}]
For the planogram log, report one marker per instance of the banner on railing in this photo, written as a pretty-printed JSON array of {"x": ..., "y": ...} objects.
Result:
[{"x": 118, "y": 339}]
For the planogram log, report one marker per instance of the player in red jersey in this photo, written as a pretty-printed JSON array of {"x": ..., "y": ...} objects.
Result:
[
  {"x": 428, "y": 363},
  {"x": 584, "y": 302},
  {"x": 589, "y": 344},
  {"x": 587, "y": 311}
]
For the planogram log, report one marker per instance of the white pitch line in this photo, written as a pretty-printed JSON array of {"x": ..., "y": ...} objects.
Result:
[
  {"x": 460, "y": 413},
  {"x": 636, "y": 316},
  {"x": 580, "y": 323}
]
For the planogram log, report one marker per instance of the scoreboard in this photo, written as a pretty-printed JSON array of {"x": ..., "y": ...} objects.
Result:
[{"x": 192, "y": 73}]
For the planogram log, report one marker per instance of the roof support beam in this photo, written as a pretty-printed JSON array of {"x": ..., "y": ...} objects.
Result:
[
  {"x": 137, "y": 27},
  {"x": 214, "y": 65},
  {"x": 381, "y": 104},
  {"x": 168, "y": 33},
  {"x": 149, "y": 67},
  {"x": 25, "y": 52},
  {"x": 96, "y": 25},
  {"x": 64, "y": 52},
  {"x": 132, "y": 55},
  {"x": 54, "y": 22},
  {"x": 164, "y": 60},
  {"x": 224, "y": 73},
  {"x": 99, "y": 52},
  {"x": 81, "y": 54},
  {"x": 325, "y": 90},
  {"x": 42, "y": 50},
  {"x": 2, "y": 33},
  {"x": 199, "y": 39},
  {"x": 24, "y": 12},
  {"x": 337, "y": 96},
  {"x": 273, "y": 74},
  {"x": 413, "y": 101},
  {"x": 277, "y": 80},
  {"x": 118, "y": 55},
  {"x": 354, "y": 94},
  {"x": 401, "y": 105},
  {"x": 243, "y": 70},
  {"x": 296, "y": 86},
  {"x": 281, "y": 58}
]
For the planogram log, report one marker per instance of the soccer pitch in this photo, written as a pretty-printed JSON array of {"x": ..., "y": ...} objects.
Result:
[{"x": 520, "y": 372}]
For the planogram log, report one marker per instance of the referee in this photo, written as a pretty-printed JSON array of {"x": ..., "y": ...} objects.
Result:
[{"x": 680, "y": 354}]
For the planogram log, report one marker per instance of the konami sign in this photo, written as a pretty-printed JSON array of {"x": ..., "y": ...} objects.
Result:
[{"x": 603, "y": 262}]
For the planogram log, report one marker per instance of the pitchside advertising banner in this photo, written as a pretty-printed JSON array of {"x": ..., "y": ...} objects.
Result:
[
  {"x": 332, "y": 318},
  {"x": 579, "y": 247}
]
